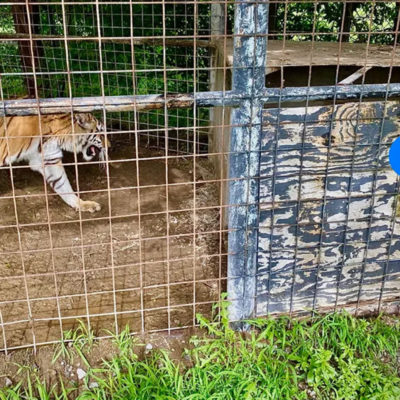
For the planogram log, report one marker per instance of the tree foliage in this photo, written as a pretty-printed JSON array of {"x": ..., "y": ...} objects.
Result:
[
  {"x": 325, "y": 21},
  {"x": 370, "y": 21}
]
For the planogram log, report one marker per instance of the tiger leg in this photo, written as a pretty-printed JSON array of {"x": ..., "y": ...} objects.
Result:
[{"x": 57, "y": 179}]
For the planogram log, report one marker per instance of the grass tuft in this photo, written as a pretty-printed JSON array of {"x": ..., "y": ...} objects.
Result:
[{"x": 329, "y": 357}]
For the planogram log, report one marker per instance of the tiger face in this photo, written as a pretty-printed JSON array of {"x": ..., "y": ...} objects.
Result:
[
  {"x": 95, "y": 147},
  {"x": 95, "y": 144}
]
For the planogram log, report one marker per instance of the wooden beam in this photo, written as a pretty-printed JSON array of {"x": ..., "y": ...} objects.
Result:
[
  {"x": 353, "y": 77},
  {"x": 297, "y": 54}
]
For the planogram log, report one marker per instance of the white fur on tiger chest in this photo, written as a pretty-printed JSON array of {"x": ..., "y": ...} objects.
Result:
[
  {"x": 26, "y": 155},
  {"x": 50, "y": 150}
]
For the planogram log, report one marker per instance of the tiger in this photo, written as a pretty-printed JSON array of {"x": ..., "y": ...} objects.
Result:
[{"x": 42, "y": 146}]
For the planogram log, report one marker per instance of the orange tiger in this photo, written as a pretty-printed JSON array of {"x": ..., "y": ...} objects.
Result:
[{"x": 22, "y": 139}]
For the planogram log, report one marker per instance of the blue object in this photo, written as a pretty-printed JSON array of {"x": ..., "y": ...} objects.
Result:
[{"x": 394, "y": 156}]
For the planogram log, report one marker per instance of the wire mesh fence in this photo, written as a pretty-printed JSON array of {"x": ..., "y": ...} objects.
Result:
[{"x": 231, "y": 162}]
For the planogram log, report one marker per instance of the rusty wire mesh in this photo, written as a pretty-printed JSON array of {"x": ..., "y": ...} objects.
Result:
[{"x": 157, "y": 252}]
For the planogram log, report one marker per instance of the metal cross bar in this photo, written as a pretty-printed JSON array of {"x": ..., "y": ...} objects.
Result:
[{"x": 232, "y": 98}]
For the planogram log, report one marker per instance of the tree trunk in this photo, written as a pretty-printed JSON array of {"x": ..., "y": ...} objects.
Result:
[
  {"x": 348, "y": 16},
  {"x": 396, "y": 27},
  {"x": 21, "y": 24},
  {"x": 273, "y": 20}
]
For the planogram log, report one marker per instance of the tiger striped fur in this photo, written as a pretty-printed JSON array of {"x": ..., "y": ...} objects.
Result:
[{"x": 42, "y": 146}]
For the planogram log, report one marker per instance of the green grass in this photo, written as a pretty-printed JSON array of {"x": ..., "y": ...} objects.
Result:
[{"x": 331, "y": 357}]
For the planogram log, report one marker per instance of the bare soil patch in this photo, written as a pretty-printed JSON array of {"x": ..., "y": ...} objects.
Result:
[
  {"x": 145, "y": 259},
  {"x": 53, "y": 370}
]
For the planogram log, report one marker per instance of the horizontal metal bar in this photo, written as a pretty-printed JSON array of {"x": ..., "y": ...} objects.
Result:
[
  {"x": 139, "y": 40},
  {"x": 201, "y": 99},
  {"x": 116, "y": 103},
  {"x": 313, "y": 93}
]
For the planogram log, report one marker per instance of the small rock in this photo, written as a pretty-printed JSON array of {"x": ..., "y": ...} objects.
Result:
[
  {"x": 149, "y": 347},
  {"x": 62, "y": 363},
  {"x": 311, "y": 393},
  {"x": 93, "y": 385},
  {"x": 81, "y": 373},
  {"x": 8, "y": 382}
]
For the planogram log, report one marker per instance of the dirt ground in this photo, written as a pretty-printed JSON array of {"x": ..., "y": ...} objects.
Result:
[
  {"x": 52, "y": 370},
  {"x": 124, "y": 263}
]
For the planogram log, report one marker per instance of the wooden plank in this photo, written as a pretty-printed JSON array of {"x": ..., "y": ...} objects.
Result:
[
  {"x": 356, "y": 75},
  {"x": 297, "y": 54},
  {"x": 331, "y": 241}
]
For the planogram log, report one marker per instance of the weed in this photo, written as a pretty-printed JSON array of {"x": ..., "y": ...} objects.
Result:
[
  {"x": 327, "y": 357},
  {"x": 80, "y": 339},
  {"x": 125, "y": 343}
]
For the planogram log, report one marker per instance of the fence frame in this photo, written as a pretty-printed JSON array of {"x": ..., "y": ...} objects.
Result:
[{"x": 248, "y": 97}]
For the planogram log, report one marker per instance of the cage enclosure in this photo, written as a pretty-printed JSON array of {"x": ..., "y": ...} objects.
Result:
[
  {"x": 154, "y": 255},
  {"x": 248, "y": 154}
]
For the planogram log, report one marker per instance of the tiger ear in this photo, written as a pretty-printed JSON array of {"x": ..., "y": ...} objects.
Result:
[{"x": 85, "y": 121}]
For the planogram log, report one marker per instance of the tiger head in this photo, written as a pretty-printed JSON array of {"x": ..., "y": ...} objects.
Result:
[{"x": 95, "y": 143}]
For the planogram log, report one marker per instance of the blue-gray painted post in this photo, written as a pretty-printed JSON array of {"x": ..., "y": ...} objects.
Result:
[{"x": 249, "y": 62}]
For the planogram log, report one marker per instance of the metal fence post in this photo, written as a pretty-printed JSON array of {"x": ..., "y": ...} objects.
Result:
[{"x": 249, "y": 62}]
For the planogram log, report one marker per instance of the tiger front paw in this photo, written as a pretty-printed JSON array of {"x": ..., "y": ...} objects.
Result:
[{"x": 90, "y": 206}]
